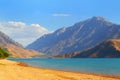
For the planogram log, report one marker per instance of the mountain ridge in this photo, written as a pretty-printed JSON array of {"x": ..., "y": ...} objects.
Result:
[
  {"x": 13, "y": 47},
  {"x": 106, "y": 49},
  {"x": 80, "y": 36},
  {"x": 4, "y": 40}
]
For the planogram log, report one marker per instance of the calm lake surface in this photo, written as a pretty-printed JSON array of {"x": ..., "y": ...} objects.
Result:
[{"x": 99, "y": 66}]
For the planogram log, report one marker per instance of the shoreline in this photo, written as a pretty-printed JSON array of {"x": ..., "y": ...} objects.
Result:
[
  {"x": 88, "y": 73},
  {"x": 11, "y": 70}
]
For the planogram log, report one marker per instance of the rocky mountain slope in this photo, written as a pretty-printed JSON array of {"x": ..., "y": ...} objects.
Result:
[
  {"x": 15, "y": 48},
  {"x": 79, "y": 37},
  {"x": 106, "y": 49}
]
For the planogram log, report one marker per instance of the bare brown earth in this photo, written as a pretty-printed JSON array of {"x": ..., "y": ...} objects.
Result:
[{"x": 20, "y": 52}]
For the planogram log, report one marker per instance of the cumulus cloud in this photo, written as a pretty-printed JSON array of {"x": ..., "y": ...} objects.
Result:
[
  {"x": 64, "y": 15},
  {"x": 16, "y": 24},
  {"x": 22, "y": 32}
]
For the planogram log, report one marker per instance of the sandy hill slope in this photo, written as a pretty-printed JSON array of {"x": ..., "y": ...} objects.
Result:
[{"x": 16, "y": 49}]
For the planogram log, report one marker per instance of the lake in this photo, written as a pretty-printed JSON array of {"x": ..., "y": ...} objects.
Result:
[{"x": 92, "y": 65}]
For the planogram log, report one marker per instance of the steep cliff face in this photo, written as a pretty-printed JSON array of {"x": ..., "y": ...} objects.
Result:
[
  {"x": 15, "y": 48},
  {"x": 80, "y": 36}
]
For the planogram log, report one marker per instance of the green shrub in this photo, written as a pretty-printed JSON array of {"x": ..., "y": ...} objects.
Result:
[{"x": 4, "y": 53}]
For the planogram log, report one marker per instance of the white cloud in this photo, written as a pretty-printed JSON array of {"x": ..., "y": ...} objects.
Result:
[
  {"x": 22, "y": 32},
  {"x": 35, "y": 25},
  {"x": 61, "y": 15},
  {"x": 16, "y": 24}
]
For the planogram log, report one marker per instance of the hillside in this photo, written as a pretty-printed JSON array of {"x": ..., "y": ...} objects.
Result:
[
  {"x": 5, "y": 40},
  {"x": 107, "y": 49},
  {"x": 81, "y": 36},
  {"x": 14, "y": 48}
]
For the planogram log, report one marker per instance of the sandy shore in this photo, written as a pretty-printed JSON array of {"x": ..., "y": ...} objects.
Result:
[{"x": 10, "y": 70}]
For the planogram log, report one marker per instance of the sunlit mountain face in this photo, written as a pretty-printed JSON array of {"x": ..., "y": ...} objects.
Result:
[
  {"x": 14, "y": 48},
  {"x": 78, "y": 37}
]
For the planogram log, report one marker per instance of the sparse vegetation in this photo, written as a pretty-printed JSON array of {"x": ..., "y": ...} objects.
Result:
[{"x": 4, "y": 53}]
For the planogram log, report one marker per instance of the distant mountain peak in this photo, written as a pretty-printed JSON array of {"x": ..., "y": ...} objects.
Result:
[
  {"x": 78, "y": 37},
  {"x": 96, "y": 20},
  {"x": 100, "y": 19}
]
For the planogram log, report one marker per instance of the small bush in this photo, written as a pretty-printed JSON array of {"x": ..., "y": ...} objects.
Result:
[{"x": 4, "y": 53}]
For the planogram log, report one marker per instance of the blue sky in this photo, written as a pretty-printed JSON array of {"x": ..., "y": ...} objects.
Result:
[{"x": 54, "y": 14}]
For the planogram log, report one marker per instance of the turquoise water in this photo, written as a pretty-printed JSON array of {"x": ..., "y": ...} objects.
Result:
[{"x": 99, "y": 66}]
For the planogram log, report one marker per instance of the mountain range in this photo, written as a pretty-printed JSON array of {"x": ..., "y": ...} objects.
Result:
[
  {"x": 106, "y": 49},
  {"x": 79, "y": 37},
  {"x": 15, "y": 49}
]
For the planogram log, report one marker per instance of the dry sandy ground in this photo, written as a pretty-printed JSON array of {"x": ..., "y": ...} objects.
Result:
[{"x": 10, "y": 70}]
